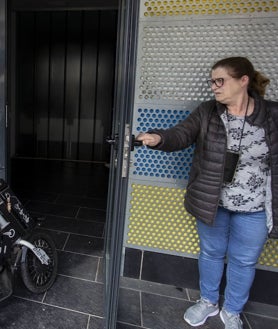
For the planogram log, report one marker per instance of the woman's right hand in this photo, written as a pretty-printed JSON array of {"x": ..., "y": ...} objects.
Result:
[{"x": 149, "y": 139}]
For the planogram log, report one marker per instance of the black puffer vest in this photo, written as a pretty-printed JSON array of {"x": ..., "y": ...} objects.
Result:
[{"x": 205, "y": 128}]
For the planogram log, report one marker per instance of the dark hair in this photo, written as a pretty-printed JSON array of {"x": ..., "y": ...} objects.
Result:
[{"x": 239, "y": 66}]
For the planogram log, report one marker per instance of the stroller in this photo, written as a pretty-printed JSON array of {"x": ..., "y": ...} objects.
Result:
[{"x": 21, "y": 247}]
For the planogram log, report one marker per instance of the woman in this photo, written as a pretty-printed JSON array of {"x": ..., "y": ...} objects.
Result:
[{"x": 233, "y": 185}]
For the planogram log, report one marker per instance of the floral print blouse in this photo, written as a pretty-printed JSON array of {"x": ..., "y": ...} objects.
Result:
[{"x": 248, "y": 190}]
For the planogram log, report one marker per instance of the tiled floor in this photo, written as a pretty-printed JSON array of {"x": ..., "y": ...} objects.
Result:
[
  {"x": 72, "y": 197},
  {"x": 155, "y": 306}
]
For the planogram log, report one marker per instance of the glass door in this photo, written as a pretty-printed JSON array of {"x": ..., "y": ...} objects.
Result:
[
  {"x": 3, "y": 108},
  {"x": 120, "y": 141}
]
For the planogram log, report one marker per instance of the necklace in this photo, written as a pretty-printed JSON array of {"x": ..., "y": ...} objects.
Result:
[{"x": 243, "y": 125}]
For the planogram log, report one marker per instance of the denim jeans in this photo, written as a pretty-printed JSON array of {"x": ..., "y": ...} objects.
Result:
[{"x": 240, "y": 237}]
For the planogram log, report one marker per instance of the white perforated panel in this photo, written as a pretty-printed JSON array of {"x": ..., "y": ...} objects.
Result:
[{"x": 174, "y": 58}]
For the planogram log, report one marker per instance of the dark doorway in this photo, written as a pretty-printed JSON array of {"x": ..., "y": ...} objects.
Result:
[
  {"x": 64, "y": 81},
  {"x": 61, "y": 84}
]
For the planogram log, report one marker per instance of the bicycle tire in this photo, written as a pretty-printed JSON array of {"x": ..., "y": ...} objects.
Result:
[{"x": 36, "y": 276}]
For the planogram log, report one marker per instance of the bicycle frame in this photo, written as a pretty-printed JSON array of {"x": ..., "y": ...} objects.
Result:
[
  {"x": 21, "y": 247},
  {"x": 15, "y": 223},
  {"x": 40, "y": 253}
]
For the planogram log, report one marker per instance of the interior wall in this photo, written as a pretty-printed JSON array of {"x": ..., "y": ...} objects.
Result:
[
  {"x": 64, "y": 83},
  {"x": 64, "y": 4}
]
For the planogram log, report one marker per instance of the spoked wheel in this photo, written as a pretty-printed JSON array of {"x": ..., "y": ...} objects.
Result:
[{"x": 36, "y": 276}]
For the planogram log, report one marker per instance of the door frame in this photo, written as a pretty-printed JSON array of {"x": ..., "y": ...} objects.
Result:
[
  {"x": 120, "y": 154},
  {"x": 3, "y": 104}
]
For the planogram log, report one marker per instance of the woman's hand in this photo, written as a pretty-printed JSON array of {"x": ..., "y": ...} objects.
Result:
[{"x": 149, "y": 139}]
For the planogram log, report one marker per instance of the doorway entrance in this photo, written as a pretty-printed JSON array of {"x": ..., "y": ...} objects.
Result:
[
  {"x": 61, "y": 98},
  {"x": 63, "y": 84}
]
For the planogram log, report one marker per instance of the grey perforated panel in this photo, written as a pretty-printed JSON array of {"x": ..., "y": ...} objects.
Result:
[{"x": 174, "y": 58}]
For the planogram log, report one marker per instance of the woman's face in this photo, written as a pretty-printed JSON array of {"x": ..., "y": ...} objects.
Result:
[{"x": 227, "y": 89}]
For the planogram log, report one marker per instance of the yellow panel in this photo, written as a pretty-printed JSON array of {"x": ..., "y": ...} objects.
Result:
[
  {"x": 269, "y": 256},
  {"x": 158, "y": 220},
  {"x": 207, "y": 7}
]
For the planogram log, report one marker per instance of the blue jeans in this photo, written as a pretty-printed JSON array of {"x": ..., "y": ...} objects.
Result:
[{"x": 240, "y": 237}]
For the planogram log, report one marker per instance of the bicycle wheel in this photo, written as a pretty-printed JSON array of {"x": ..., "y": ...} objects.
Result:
[{"x": 36, "y": 276}]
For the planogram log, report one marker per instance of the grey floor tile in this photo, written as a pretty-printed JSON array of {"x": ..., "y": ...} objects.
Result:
[
  {"x": 74, "y": 200},
  {"x": 97, "y": 215},
  {"x": 92, "y": 228},
  {"x": 153, "y": 287},
  {"x": 262, "y": 309},
  {"x": 36, "y": 195},
  {"x": 129, "y": 310},
  {"x": 52, "y": 208},
  {"x": 96, "y": 323},
  {"x": 58, "y": 223},
  {"x": 85, "y": 245},
  {"x": 193, "y": 294},
  {"x": 75, "y": 294},
  {"x": 24, "y": 314},
  {"x": 260, "y": 322},
  {"x": 79, "y": 266},
  {"x": 100, "y": 271},
  {"x": 75, "y": 226},
  {"x": 127, "y": 326},
  {"x": 160, "y": 312}
]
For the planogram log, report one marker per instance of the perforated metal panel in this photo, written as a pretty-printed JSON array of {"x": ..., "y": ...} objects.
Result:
[
  {"x": 178, "y": 42},
  {"x": 206, "y": 7},
  {"x": 156, "y": 164},
  {"x": 269, "y": 256},
  {"x": 174, "y": 58},
  {"x": 158, "y": 220}
]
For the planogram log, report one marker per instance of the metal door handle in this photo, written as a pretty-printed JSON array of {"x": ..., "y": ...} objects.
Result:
[{"x": 135, "y": 143}]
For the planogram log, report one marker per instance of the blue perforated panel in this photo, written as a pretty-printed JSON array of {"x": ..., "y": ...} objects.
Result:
[
  {"x": 152, "y": 163},
  {"x": 161, "y": 119}
]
